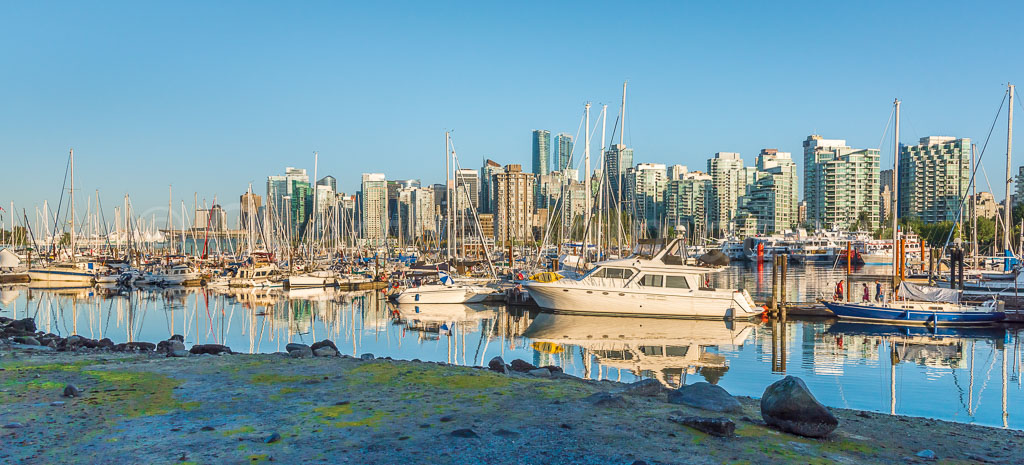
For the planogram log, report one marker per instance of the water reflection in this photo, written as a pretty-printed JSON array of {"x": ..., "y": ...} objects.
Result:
[
  {"x": 663, "y": 349},
  {"x": 967, "y": 375}
]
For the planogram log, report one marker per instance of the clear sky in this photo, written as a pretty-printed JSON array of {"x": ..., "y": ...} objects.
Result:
[{"x": 210, "y": 96}]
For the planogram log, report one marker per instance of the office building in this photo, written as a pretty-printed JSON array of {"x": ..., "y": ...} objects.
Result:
[
  {"x": 513, "y": 214},
  {"x": 288, "y": 198},
  {"x": 541, "y": 152},
  {"x": 934, "y": 175},
  {"x": 487, "y": 173},
  {"x": 373, "y": 199},
  {"x": 685, "y": 202},
  {"x": 647, "y": 192},
  {"x": 841, "y": 184},
  {"x": 772, "y": 196},
  {"x": 563, "y": 152},
  {"x": 728, "y": 183},
  {"x": 617, "y": 160}
]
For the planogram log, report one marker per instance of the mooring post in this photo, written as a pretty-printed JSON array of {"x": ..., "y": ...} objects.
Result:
[
  {"x": 784, "y": 262},
  {"x": 775, "y": 285}
]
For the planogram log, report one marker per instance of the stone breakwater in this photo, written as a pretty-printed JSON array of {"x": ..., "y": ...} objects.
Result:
[{"x": 74, "y": 400}]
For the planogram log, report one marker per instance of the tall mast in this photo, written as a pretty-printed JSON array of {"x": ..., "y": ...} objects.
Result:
[
  {"x": 974, "y": 212},
  {"x": 618, "y": 170},
  {"x": 316, "y": 163},
  {"x": 73, "y": 204},
  {"x": 586, "y": 169},
  {"x": 170, "y": 224},
  {"x": 448, "y": 195},
  {"x": 600, "y": 183},
  {"x": 895, "y": 196},
  {"x": 1009, "y": 180}
]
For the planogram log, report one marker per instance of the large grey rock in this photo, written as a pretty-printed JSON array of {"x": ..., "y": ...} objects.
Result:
[
  {"x": 719, "y": 426},
  {"x": 300, "y": 352},
  {"x": 705, "y": 396},
  {"x": 292, "y": 346},
  {"x": 788, "y": 405},
  {"x": 325, "y": 351},
  {"x": 169, "y": 346},
  {"x": 541, "y": 372},
  {"x": 72, "y": 391},
  {"x": 324, "y": 343},
  {"x": 178, "y": 353},
  {"x": 212, "y": 349},
  {"x": 646, "y": 387},
  {"x": 366, "y": 357},
  {"x": 497, "y": 364},
  {"x": 27, "y": 325},
  {"x": 522, "y": 366},
  {"x": 27, "y": 340}
]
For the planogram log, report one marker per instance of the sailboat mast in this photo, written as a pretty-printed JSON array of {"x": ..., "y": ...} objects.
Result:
[
  {"x": 974, "y": 212},
  {"x": 1009, "y": 179},
  {"x": 600, "y": 190},
  {"x": 448, "y": 194},
  {"x": 586, "y": 168},
  {"x": 73, "y": 205},
  {"x": 895, "y": 197}
]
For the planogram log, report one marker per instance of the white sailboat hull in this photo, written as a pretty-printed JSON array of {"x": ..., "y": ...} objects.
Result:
[
  {"x": 687, "y": 303},
  {"x": 61, "y": 275},
  {"x": 441, "y": 294}
]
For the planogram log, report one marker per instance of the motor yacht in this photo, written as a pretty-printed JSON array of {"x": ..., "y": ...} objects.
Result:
[{"x": 653, "y": 283}]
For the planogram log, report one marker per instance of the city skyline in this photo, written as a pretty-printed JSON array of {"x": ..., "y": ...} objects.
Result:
[{"x": 203, "y": 125}]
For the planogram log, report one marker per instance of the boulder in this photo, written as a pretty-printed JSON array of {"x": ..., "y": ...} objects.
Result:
[
  {"x": 788, "y": 405},
  {"x": 177, "y": 337},
  {"x": 27, "y": 340},
  {"x": 213, "y": 349},
  {"x": 649, "y": 387},
  {"x": 178, "y": 353},
  {"x": 140, "y": 346},
  {"x": 169, "y": 346},
  {"x": 522, "y": 366},
  {"x": 324, "y": 343},
  {"x": 325, "y": 351},
  {"x": 300, "y": 352},
  {"x": 366, "y": 357},
  {"x": 705, "y": 396},
  {"x": 718, "y": 426},
  {"x": 26, "y": 325},
  {"x": 72, "y": 391},
  {"x": 295, "y": 346},
  {"x": 541, "y": 372},
  {"x": 497, "y": 364}
]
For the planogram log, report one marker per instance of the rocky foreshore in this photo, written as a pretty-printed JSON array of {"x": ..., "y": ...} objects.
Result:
[{"x": 77, "y": 400}]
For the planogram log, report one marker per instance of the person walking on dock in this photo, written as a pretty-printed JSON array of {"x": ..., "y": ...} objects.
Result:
[
  {"x": 878, "y": 291},
  {"x": 867, "y": 293},
  {"x": 839, "y": 290}
]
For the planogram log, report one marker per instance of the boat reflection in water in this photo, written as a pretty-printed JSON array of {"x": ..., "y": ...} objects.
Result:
[
  {"x": 942, "y": 348},
  {"x": 664, "y": 349}
]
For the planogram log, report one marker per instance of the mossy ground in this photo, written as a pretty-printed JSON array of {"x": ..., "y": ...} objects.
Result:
[{"x": 337, "y": 410}]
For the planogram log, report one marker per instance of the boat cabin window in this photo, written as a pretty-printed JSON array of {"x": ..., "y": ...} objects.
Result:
[
  {"x": 678, "y": 282},
  {"x": 617, "y": 273},
  {"x": 652, "y": 280}
]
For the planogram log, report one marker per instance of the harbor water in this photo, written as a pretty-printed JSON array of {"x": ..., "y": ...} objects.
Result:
[{"x": 962, "y": 375}]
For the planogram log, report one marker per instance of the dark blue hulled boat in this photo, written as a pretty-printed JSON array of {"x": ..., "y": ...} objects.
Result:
[{"x": 912, "y": 312}]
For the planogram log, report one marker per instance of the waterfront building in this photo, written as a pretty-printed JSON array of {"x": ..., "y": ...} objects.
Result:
[
  {"x": 728, "y": 183},
  {"x": 394, "y": 187},
  {"x": 574, "y": 205},
  {"x": 676, "y": 172},
  {"x": 212, "y": 219},
  {"x": 563, "y": 152},
  {"x": 840, "y": 184},
  {"x": 801, "y": 213},
  {"x": 617, "y": 160},
  {"x": 934, "y": 175},
  {"x": 885, "y": 196},
  {"x": 1018, "y": 196},
  {"x": 646, "y": 187},
  {"x": 250, "y": 219},
  {"x": 513, "y": 212},
  {"x": 416, "y": 214},
  {"x": 467, "y": 189},
  {"x": 541, "y": 152},
  {"x": 328, "y": 181},
  {"x": 986, "y": 205},
  {"x": 287, "y": 198},
  {"x": 373, "y": 200},
  {"x": 487, "y": 173},
  {"x": 685, "y": 202},
  {"x": 772, "y": 196}
]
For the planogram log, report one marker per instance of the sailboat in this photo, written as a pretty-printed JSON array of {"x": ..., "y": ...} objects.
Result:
[
  {"x": 70, "y": 271},
  {"x": 917, "y": 305}
]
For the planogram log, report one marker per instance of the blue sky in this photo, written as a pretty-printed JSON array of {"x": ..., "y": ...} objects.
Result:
[{"x": 210, "y": 96}]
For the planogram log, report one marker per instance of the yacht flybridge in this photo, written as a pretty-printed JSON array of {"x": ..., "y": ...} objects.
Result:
[{"x": 654, "y": 283}]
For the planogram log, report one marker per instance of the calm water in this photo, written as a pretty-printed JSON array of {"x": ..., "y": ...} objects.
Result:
[{"x": 966, "y": 376}]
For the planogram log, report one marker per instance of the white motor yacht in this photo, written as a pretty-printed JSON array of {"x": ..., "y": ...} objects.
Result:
[
  {"x": 444, "y": 292},
  {"x": 656, "y": 284}
]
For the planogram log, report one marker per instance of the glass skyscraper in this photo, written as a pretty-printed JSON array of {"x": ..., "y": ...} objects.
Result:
[
  {"x": 563, "y": 151},
  {"x": 541, "y": 151}
]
